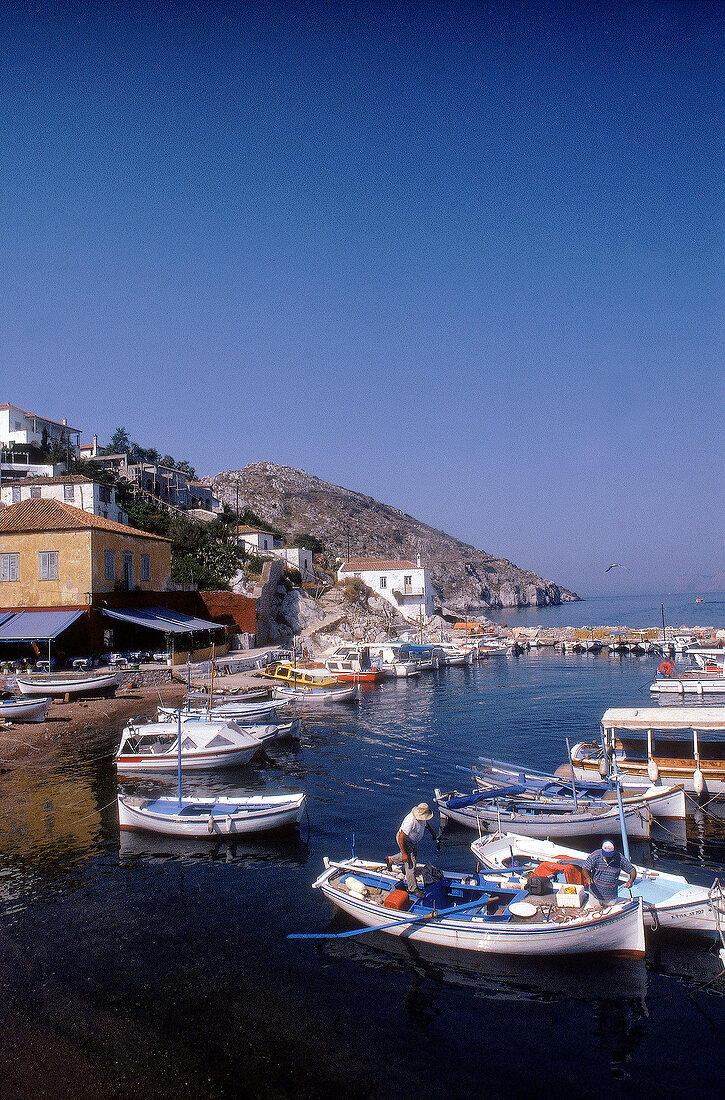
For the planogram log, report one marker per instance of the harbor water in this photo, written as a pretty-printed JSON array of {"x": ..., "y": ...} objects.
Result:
[{"x": 139, "y": 964}]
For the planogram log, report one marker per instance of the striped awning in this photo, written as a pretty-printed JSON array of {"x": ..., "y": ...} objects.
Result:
[{"x": 160, "y": 618}]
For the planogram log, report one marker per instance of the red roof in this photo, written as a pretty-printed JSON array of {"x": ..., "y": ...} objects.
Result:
[
  {"x": 360, "y": 565},
  {"x": 38, "y": 514}
]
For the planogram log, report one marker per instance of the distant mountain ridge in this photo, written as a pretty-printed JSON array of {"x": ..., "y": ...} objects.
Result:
[{"x": 467, "y": 580}]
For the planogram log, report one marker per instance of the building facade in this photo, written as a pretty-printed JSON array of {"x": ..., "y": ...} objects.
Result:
[
  {"x": 21, "y": 428},
  {"x": 404, "y": 584},
  {"x": 74, "y": 489},
  {"x": 54, "y": 555}
]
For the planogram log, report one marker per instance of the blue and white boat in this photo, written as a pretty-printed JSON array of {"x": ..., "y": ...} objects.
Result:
[
  {"x": 482, "y": 913},
  {"x": 669, "y": 900}
]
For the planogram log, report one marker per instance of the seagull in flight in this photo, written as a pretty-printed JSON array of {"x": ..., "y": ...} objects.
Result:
[{"x": 615, "y": 565}]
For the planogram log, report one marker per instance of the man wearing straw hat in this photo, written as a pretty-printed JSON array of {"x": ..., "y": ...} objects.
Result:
[{"x": 409, "y": 836}]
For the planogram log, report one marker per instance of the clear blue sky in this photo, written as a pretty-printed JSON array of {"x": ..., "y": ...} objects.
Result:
[{"x": 466, "y": 258}]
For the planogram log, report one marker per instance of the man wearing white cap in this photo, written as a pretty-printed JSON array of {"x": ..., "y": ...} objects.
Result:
[
  {"x": 601, "y": 873},
  {"x": 409, "y": 836}
]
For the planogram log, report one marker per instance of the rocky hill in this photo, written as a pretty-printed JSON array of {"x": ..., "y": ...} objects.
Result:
[{"x": 467, "y": 580}]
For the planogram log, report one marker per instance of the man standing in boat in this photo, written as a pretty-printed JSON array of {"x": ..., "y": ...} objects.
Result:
[
  {"x": 601, "y": 872},
  {"x": 409, "y": 836}
]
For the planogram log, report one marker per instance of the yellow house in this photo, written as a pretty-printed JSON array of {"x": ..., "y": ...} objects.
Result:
[{"x": 53, "y": 555}]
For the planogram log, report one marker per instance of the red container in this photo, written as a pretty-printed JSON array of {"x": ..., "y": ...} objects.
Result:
[{"x": 398, "y": 899}]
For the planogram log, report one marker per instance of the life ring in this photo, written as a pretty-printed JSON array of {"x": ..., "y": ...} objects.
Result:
[{"x": 666, "y": 668}]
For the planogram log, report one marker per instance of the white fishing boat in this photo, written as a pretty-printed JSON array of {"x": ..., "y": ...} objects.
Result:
[
  {"x": 474, "y": 912},
  {"x": 209, "y": 817},
  {"x": 664, "y": 802},
  {"x": 513, "y": 810},
  {"x": 153, "y": 746},
  {"x": 266, "y": 723},
  {"x": 658, "y": 746},
  {"x": 705, "y": 675},
  {"x": 452, "y": 654},
  {"x": 68, "y": 683},
  {"x": 395, "y": 659},
  {"x": 670, "y": 901},
  {"x": 18, "y": 709},
  {"x": 318, "y": 693}
]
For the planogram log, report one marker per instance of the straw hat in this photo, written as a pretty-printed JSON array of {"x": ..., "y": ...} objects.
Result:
[{"x": 422, "y": 812}]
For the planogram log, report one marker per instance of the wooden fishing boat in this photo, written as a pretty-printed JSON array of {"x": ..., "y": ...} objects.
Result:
[
  {"x": 490, "y": 774},
  {"x": 514, "y": 809},
  {"x": 18, "y": 709},
  {"x": 351, "y": 663},
  {"x": 319, "y": 693},
  {"x": 659, "y": 745},
  {"x": 209, "y": 817},
  {"x": 68, "y": 683},
  {"x": 266, "y": 723},
  {"x": 283, "y": 672},
  {"x": 670, "y": 901},
  {"x": 475, "y": 912},
  {"x": 154, "y": 746}
]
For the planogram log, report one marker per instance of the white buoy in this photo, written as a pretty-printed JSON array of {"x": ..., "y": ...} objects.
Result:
[
  {"x": 603, "y": 768},
  {"x": 652, "y": 770},
  {"x": 698, "y": 782}
]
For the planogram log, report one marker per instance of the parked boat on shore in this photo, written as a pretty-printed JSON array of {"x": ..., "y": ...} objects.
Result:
[
  {"x": 474, "y": 912},
  {"x": 68, "y": 683},
  {"x": 16, "y": 708}
]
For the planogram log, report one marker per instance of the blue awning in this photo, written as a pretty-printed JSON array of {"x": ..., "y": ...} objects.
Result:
[
  {"x": 37, "y": 626},
  {"x": 160, "y": 618}
]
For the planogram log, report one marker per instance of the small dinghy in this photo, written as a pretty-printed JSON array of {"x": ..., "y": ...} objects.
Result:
[
  {"x": 68, "y": 683},
  {"x": 154, "y": 747},
  {"x": 322, "y": 693},
  {"x": 210, "y": 817},
  {"x": 489, "y": 913},
  {"x": 15, "y": 708},
  {"x": 670, "y": 901}
]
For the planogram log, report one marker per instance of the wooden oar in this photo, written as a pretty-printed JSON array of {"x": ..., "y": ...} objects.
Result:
[{"x": 383, "y": 927}]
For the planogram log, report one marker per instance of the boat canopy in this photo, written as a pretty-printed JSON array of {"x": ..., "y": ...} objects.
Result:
[
  {"x": 35, "y": 626},
  {"x": 664, "y": 718},
  {"x": 160, "y": 618}
]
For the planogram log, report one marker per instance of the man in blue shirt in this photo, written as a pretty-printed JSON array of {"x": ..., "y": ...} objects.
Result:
[{"x": 601, "y": 873}]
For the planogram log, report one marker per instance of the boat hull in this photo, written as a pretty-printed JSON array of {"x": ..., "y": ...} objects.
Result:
[
  {"x": 24, "y": 710},
  {"x": 685, "y": 685},
  {"x": 48, "y": 684},
  {"x": 638, "y": 822},
  {"x": 209, "y": 818},
  {"x": 670, "y": 901},
  {"x": 619, "y": 930},
  {"x": 319, "y": 695}
]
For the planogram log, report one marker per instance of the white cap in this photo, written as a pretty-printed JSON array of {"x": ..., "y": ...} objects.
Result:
[{"x": 607, "y": 846}]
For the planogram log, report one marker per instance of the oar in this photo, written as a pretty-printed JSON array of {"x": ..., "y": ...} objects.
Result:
[{"x": 383, "y": 927}]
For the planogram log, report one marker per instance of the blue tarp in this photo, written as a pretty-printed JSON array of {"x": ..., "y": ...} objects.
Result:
[
  {"x": 37, "y": 626},
  {"x": 483, "y": 796},
  {"x": 160, "y": 618}
]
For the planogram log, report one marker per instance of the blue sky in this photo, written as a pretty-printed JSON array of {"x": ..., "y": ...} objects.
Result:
[{"x": 465, "y": 258}]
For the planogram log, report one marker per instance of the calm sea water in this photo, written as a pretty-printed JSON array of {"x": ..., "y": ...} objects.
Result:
[
  {"x": 635, "y": 612},
  {"x": 133, "y": 963}
]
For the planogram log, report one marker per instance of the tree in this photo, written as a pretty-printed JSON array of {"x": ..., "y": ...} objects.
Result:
[
  {"x": 120, "y": 442},
  {"x": 309, "y": 542}
]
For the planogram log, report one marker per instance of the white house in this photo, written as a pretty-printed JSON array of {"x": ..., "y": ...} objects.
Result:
[
  {"x": 404, "y": 584},
  {"x": 262, "y": 542},
  {"x": 255, "y": 540},
  {"x": 26, "y": 429},
  {"x": 81, "y": 492}
]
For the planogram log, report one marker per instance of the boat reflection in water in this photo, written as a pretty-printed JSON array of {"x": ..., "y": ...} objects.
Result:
[
  {"x": 538, "y": 978},
  {"x": 281, "y": 849}
]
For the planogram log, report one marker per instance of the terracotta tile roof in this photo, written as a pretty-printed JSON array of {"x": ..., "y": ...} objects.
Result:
[
  {"x": 59, "y": 479},
  {"x": 360, "y": 565},
  {"x": 38, "y": 514}
]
